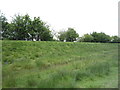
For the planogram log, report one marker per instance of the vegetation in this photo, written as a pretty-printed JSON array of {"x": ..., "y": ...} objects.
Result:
[
  {"x": 70, "y": 35},
  {"x": 86, "y": 38},
  {"x": 100, "y": 37},
  {"x": 115, "y": 39},
  {"x": 62, "y": 36},
  {"x": 24, "y": 28},
  {"x": 49, "y": 63},
  {"x": 28, "y": 64}
]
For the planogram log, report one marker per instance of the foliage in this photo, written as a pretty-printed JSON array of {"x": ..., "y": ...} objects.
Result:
[
  {"x": 87, "y": 38},
  {"x": 24, "y": 28},
  {"x": 62, "y": 35},
  {"x": 115, "y": 39},
  {"x": 3, "y": 21},
  {"x": 70, "y": 35},
  {"x": 100, "y": 37}
]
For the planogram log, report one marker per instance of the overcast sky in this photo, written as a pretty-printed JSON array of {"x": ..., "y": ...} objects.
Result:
[{"x": 85, "y": 16}]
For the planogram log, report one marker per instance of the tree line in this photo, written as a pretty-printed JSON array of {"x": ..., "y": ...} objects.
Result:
[{"x": 22, "y": 27}]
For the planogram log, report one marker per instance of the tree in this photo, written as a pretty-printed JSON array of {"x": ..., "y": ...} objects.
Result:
[
  {"x": 95, "y": 36},
  {"x": 41, "y": 30},
  {"x": 115, "y": 39},
  {"x": 87, "y": 38},
  {"x": 4, "y": 25},
  {"x": 100, "y": 37},
  {"x": 62, "y": 35},
  {"x": 24, "y": 28},
  {"x": 71, "y": 35},
  {"x": 19, "y": 26}
]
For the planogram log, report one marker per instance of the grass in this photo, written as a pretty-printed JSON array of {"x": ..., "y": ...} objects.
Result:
[
  {"x": 28, "y": 64},
  {"x": 108, "y": 81}
]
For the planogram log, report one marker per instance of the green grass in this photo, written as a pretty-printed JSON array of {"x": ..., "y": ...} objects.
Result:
[
  {"x": 28, "y": 64},
  {"x": 108, "y": 81}
]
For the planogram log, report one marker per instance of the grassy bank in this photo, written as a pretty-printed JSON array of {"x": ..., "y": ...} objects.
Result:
[{"x": 58, "y": 64}]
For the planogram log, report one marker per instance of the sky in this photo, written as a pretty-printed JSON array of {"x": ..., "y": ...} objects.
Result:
[{"x": 85, "y": 16}]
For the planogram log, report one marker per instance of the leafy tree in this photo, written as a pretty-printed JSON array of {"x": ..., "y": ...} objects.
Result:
[
  {"x": 23, "y": 28},
  {"x": 103, "y": 37},
  {"x": 12, "y": 34},
  {"x": 19, "y": 26},
  {"x": 41, "y": 30},
  {"x": 100, "y": 37},
  {"x": 95, "y": 36},
  {"x": 4, "y": 24},
  {"x": 87, "y": 38},
  {"x": 71, "y": 35},
  {"x": 115, "y": 39},
  {"x": 62, "y": 35}
]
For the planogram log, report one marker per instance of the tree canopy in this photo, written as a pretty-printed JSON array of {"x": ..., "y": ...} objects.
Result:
[
  {"x": 115, "y": 39},
  {"x": 24, "y": 28},
  {"x": 87, "y": 38},
  {"x": 100, "y": 37},
  {"x": 70, "y": 35}
]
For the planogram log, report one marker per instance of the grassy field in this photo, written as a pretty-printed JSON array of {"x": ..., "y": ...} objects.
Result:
[{"x": 28, "y": 64}]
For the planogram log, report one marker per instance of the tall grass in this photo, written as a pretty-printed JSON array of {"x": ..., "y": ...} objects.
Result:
[{"x": 28, "y": 64}]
